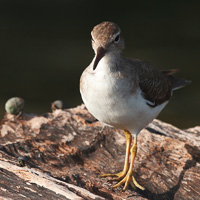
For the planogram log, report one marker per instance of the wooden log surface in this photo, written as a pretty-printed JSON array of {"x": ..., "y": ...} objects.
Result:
[{"x": 60, "y": 155}]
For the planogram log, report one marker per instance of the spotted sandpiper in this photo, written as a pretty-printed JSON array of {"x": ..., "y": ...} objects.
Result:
[{"x": 124, "y": 93}]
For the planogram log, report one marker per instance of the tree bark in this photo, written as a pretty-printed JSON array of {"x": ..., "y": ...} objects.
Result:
[{"x": 60, "y": 155}]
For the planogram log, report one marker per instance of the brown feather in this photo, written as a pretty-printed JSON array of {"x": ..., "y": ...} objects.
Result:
[{"x": 156, "y": 86}]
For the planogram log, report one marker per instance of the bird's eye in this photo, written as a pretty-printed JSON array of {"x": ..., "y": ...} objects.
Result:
[
  {"x": 92, "y": 40},
  {"x": 117, "y": 38}
]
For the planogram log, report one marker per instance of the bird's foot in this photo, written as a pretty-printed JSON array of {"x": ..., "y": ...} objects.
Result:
[
  {"x": 125, "y": 177},
  {"x": 129, "y": 179}
]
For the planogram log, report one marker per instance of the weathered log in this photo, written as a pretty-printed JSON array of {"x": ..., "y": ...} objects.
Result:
[{"x": 60, "y": 156}]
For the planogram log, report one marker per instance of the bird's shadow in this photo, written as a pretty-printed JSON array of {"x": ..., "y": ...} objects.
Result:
[
  {"x": 170, "y": 194},
  {"x": 151, "y": 130}
]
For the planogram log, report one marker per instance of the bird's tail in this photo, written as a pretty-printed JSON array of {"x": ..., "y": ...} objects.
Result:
[{"x": 177, "y": 83}]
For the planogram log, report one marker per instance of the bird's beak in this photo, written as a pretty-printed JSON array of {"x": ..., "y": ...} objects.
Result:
[{"x": 99, "y": 55}]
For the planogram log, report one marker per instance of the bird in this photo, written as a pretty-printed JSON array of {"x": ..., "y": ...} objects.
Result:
[{"x": 124, "y": 93}]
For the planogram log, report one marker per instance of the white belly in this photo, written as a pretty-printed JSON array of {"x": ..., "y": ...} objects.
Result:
[{"x": 111, "y": 101}]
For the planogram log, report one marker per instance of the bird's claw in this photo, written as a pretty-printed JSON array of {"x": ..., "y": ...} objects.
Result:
[
  {"x": 123, "y": 177},
  {"x": 129, "y": 179}
]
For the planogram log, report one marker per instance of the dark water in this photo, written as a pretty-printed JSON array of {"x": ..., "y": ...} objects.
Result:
[{"x": 45, "y": 46}]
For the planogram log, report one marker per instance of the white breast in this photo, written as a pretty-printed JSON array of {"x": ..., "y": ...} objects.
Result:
[{"x": 111, "y": 101}]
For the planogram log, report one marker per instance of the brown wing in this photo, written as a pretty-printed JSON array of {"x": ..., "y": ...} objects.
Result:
[{"x": 156, "y": 86}]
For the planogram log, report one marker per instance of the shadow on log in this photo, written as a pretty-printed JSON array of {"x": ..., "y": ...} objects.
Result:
[{"x": 61, "y": 154}]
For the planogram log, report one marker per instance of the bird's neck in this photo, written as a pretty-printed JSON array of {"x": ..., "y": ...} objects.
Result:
[
  {"x": 111, "y": 59},
  {"x": 108, "y": 63}
]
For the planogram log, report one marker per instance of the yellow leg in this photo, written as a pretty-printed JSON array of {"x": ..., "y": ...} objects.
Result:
[
  {"x": 122, "y": 174},
  {"x": 129, "y": 178}
]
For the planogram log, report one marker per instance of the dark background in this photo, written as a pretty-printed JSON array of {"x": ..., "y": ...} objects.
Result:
[{"x": 45, "y": 46}]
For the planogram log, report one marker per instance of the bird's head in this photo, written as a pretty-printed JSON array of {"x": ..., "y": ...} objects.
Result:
[{"x": 106, "y": 38}]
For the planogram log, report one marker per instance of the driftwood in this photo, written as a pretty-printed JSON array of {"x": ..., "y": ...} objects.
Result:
[{"x": 60, "y": 156}]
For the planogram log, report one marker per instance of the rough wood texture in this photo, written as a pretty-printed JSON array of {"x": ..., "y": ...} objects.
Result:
[{"x": 65, "y": 151}]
